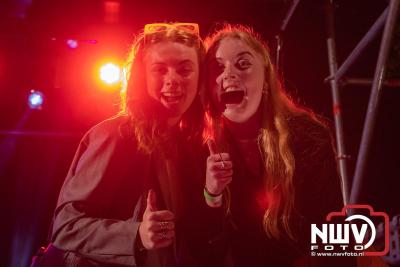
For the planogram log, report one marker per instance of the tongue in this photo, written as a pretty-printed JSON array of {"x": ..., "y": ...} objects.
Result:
[{"x": 234, "y": 97}]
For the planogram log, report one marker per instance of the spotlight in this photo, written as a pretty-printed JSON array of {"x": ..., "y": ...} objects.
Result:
[
  {"x": 110, "y": 73},
  {"x": 72, "y": 43},
  {"x": 35, "y": 99}
]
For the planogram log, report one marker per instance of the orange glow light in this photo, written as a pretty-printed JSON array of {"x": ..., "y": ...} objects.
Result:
[{"x": 110, "y": 73}]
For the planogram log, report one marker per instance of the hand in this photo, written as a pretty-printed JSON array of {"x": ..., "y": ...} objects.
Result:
[
  {"x": 219, "y": 170},
  {"x": 157, "y": 229}
]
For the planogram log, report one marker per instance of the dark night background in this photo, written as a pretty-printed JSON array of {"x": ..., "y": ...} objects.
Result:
[{"x": 33, "y": 55}]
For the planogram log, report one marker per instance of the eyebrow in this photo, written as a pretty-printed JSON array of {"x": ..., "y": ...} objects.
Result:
[
  {"x": 183, "y": 62},
  {"x": 240, "y": 54},
  {"x": 245, "y": 53},
  {"x": 186, "y": 61}
]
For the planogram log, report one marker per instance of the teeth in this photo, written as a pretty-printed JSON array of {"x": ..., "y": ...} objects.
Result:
[
  {"x": 232, "y": 89},
  {"x": 172, "y": 94}
]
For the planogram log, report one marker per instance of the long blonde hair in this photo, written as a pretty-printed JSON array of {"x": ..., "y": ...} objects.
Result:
[
  {"x": 137, "y": 104},
  {"x": 274, "y": 139}
]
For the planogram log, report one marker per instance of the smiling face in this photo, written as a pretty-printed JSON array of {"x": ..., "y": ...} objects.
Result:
[
  {"x": 237, "y": 79},
  {"x": 172, "y": 75}
]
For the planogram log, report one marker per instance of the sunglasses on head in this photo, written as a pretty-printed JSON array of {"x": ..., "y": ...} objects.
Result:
[{"x": 192, "y": 28}]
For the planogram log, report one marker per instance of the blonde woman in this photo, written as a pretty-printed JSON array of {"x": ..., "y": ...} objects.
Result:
[{"x": 272, "y": 167}]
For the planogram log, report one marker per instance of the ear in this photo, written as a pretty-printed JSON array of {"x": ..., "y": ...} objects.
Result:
[
  {"x": 267, "y": 71},
  {"x": 265, "y": 88}
]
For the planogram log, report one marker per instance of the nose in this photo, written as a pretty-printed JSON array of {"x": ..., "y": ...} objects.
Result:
[
  {"x": 171, "y": 79},
  {"x": 227, "y": 76},
  {"x": 229, "y": 73}
]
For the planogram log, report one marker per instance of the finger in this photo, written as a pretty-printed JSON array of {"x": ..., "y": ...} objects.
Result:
[
  {"x": 211, "y": 147},
  {"x": 219, "y": 157},
  {"x": 218, "y": 166},
  {"x": 219, "y": 175},
  {"x": 226, "y": 181},
  {"x": 156, "y": 237},
  {"x": 151, "y": 201},
  {"x": 161, "y": 216},
  {"x": 165, "y": 235},
  {"x": 226, "y": 166},
  {"x": 161, "y": 226}
]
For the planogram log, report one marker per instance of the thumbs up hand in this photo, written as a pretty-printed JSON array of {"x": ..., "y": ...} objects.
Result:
[
  {"x": 219, "y": 171},
  {"x": 157, "y": 229}
]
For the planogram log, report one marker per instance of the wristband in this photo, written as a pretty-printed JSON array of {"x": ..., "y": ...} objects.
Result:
[{"x": 210, "y": 196}]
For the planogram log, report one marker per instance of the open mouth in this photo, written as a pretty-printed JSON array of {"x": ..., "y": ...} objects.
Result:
[
  {"x": 171, "y": 97},
  {"x": 232, "y": 97}
]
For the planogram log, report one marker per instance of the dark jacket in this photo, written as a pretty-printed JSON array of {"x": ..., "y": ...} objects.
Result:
[
  {"x": 100, "y": 205},
  {"x": 317, "y": 192}
]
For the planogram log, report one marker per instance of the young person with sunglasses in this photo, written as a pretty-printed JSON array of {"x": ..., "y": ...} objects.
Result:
[{"x": 129, "y": 195}]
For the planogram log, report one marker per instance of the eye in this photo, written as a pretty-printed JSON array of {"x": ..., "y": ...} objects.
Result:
[
  {"x": 217, "y": 68},
  {"x": 243, "y": 64},
  {"x": 159, "y": 69},
  {"x": 185, "y": 71}
]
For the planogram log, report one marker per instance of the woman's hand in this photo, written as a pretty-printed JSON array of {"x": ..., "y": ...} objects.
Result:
[
  {"x": 157, "y": 229},
  {"x": 219, "y": 172}
]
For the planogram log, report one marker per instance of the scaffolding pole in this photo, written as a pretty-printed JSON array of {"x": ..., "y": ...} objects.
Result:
[
  {"x": 365, "y": 41},
  {"x": 337, "y": 114},
  {"x": 374, "y": 100}
]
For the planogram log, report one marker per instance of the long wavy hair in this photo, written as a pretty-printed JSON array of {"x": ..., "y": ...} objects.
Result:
[
  {"x": 144, "y": 112},
  {"x": 275, "y": 134}
]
